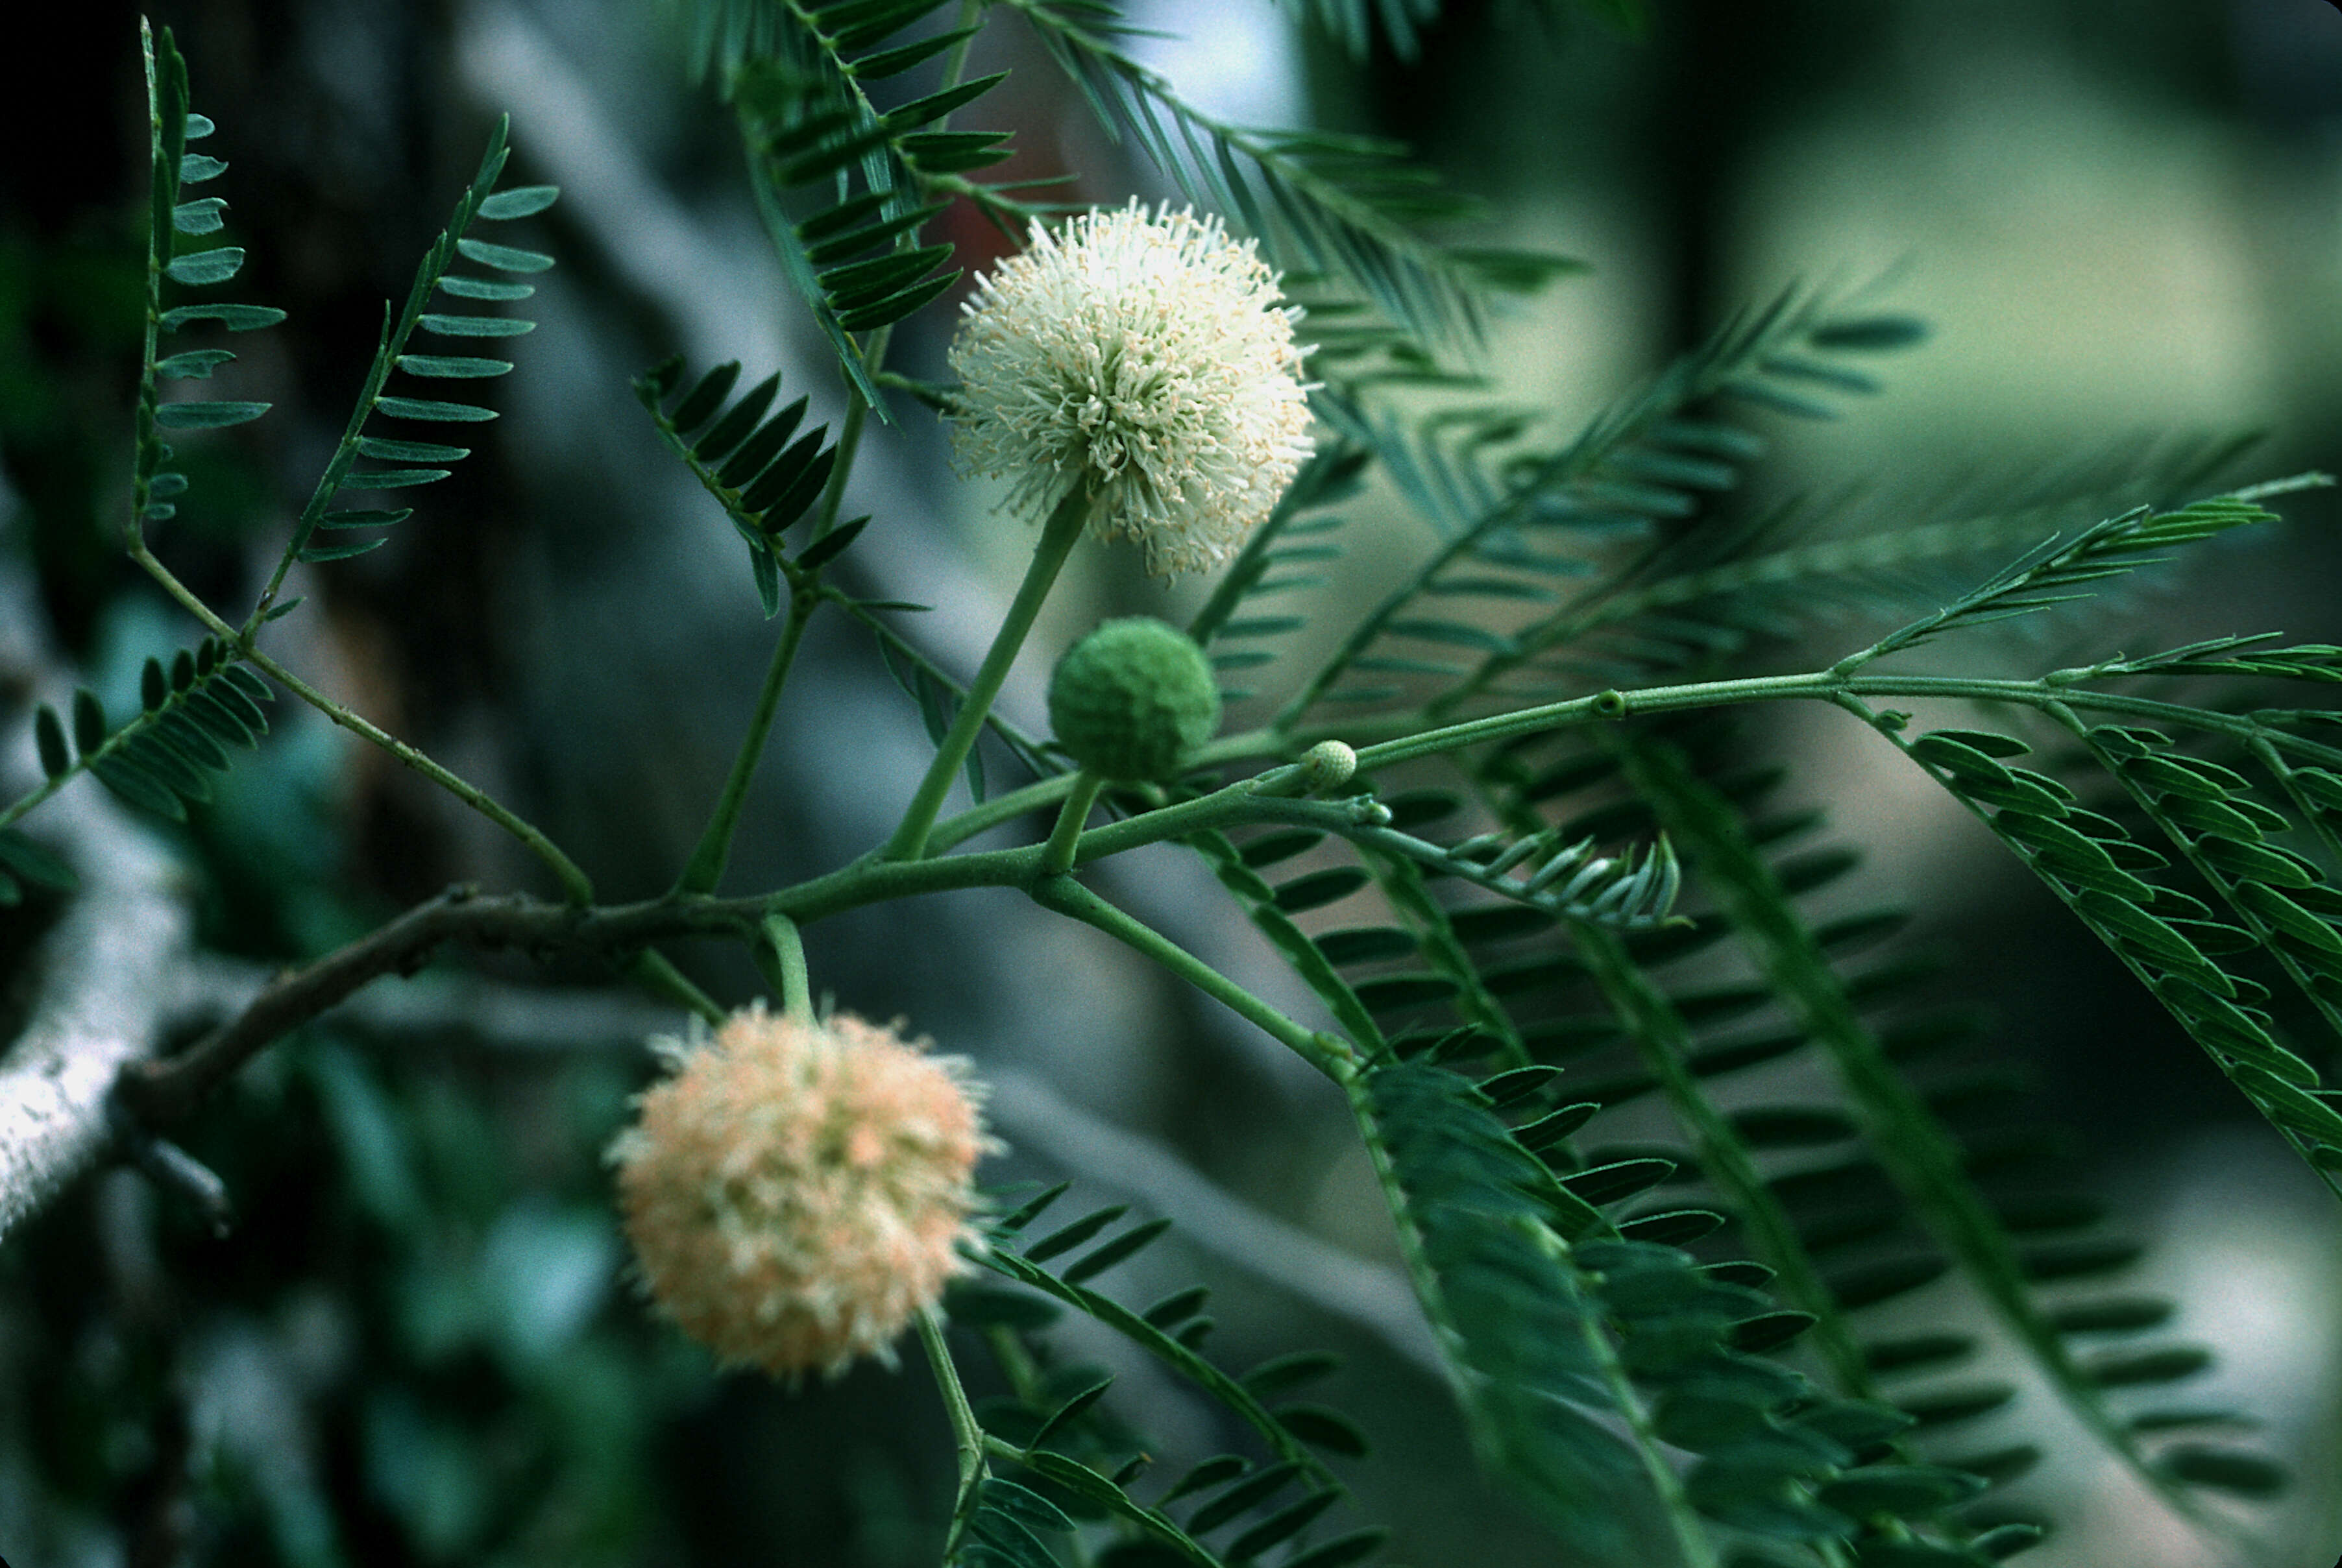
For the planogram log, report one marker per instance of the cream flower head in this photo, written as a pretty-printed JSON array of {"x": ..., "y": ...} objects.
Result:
[
  {"x": 1145, "y": 356},
  {"x": 797, "y": 1192}
]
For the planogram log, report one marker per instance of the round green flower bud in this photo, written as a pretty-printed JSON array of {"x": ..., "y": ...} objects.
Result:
[
  {"x": 1132, "y": 698},
  {"x": 1326, "y": 765}
]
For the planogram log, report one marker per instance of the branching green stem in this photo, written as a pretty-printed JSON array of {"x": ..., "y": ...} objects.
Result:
[
  {"x": 1329, "y": 1053},
  {"x": 1408, "y": 742},
  {"x": 705, "y": 867},
  {"x": 1057, "y": 536},
  {"x": 967, "y": 1437},
  {"x": 656, "y": 975},
  {"x": 1818, "y": 686},
  {"x": 1057, "y": 855},
  {"x": 849, "y": 436},
  {"x": 965, "y": 826},
  {"x": 575, "y": 885}
]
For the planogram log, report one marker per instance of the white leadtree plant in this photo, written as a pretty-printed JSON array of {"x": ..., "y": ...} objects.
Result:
[{"x": 1513, "y": 766}]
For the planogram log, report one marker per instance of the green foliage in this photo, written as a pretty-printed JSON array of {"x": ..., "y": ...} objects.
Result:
[
  {"x": 799, "y": 77},
  {"x": 173, "y": 256},
  {"x": 2229, "y": 836},
  {"x": 193, "y": 714},
  {"x": 1351, "y": 206},
  {"x": 459, "y": 320},
  {"x": 1511, "y": 980},
  {"x": 765, "y": 481},
  {"x": 1557, "y": 1322},
  {"x": 1080, "y": 1463},
  {"x": 354, "y": 529},
  {"x": 1902, "y": 1133},
  {"x": 2056, "y": 571},
  {"x": 1514, "y": 518}
]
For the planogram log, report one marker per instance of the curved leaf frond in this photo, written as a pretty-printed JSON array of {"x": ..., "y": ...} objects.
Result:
[
  {"x": 172, "y": 223},
  {"x": 353, "y": 530}
]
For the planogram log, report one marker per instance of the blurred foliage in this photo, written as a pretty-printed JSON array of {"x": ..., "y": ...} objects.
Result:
[{"x": 417, "y": 1346}]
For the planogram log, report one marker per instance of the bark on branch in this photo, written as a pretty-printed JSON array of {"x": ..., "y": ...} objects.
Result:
[{"x": 104, "y": 982}]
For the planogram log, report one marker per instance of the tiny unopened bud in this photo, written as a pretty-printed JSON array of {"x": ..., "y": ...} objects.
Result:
[{"x": 1326, "y": 765}]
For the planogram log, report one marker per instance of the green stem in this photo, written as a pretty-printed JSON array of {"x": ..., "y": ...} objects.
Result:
[
  {"x": 1000, "y": 808},
  {"x": 1057, "y": 536},
  {"x": 849, "y": 437},
  {"x": 158, "y": 246},
  {"x": 1057, "y": 855},
  {"x": 872, "y": 880},
  {"x": 1406, "y": 742},
  {"x": 1820, "y": 686},
  {"x": 575, "y": 885},
  {"x": 781, "y": 954},
  {"x": 1329, "y": 1053},
  {"x": 651, "y": 970},
  {"x": 967, "y": 1437},
  {"x": 705, "y": 867}
]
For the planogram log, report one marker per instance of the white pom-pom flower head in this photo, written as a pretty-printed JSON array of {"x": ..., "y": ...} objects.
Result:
[{"x": 1146, "y": 359}]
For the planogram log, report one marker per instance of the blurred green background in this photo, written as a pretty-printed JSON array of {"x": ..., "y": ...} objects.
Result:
[{"x": 2123, "y": 217}]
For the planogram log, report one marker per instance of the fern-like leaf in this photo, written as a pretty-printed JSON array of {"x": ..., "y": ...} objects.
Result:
[
  {"x": 354, "y": 530},
  {"x": 1512, "y": 519},
  {"x": 194, "y": 712},
  {"x": 2060, "y": 571},
  {"x": 1903, "y": 1134},
  {"x": 1323, "y": 203},
  {"x": 810, "y": 123},
  {"x": 171, "y": 224},
  {"x": 1087, "y": 1462},
  {"x": 760, "y": 467}
]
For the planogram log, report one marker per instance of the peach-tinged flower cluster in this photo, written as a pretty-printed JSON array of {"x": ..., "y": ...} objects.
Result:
[
  {"x": 797, "y": 1192},
  {"x": 1147, "y": 358}
]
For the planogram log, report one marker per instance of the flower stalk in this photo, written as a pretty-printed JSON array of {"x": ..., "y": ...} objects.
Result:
[
  {"x": 705, "y": 867},
  {"x": 1329, "y": 1053},
  {"x": 781, "y": 954},
  {"x": 1058, "y": 537},
  {"x": 1057, "y": 855},
  {"x": 967, "y": 1436}
]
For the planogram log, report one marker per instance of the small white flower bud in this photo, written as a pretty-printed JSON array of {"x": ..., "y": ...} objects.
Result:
[{"x": 1326, "y": 765}]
